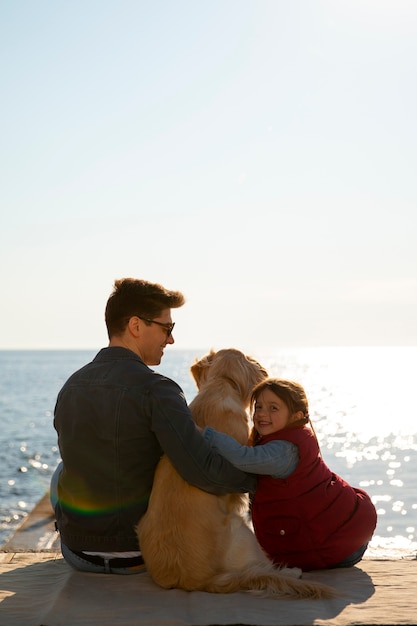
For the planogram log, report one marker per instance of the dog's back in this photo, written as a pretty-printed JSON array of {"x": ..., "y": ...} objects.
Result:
[
  {"x": 177, "y": 533},
  {"x": 183, "y": 535},
  {"x": 194, "y": 540}
]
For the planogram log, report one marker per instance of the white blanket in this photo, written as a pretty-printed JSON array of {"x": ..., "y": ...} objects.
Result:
[{"x": 41, "y": 589}]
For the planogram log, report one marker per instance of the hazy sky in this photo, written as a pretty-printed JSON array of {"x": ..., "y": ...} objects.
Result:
[{"x": 258, "y": 155}]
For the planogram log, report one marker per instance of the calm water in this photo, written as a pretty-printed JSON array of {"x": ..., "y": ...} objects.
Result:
[{"x": 361, "y": 403}]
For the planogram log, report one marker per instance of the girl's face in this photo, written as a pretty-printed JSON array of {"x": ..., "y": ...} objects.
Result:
[{"x": 271, "y": 413}]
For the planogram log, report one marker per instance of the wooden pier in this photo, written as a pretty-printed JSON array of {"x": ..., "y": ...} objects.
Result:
[{"x": 37, "y": 532}]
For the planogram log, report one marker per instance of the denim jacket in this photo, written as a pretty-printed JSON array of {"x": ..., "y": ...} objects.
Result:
[
  {"x": 278, "y": 459},
  {"x": 115, "y": 417}
]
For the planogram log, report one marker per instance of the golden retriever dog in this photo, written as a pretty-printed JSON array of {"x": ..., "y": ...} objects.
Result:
[{"x": 194, "y": 540}]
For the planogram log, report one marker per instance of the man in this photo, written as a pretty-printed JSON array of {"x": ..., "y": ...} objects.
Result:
[{"x": 115, "y": 417}]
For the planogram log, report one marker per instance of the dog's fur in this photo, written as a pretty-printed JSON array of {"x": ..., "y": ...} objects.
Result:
[{"x": 194, "y": 540}]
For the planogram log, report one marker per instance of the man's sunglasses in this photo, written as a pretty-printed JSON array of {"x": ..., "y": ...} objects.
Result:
[{"x": 167, "y": 326}]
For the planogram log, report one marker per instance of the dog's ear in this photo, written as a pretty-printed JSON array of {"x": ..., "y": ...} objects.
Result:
[
  {"x": 200, "y": 367},
  {"x": 237, "y": 366}
]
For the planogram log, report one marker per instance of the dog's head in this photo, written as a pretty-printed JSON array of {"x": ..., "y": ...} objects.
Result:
[{"x": 243, "y": 370}]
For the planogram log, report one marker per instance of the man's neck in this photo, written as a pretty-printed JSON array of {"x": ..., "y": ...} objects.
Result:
[{"x": 123, "y": 342}]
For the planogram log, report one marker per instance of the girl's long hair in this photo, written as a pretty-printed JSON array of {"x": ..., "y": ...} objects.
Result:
[{"x": 291, "y": 393}]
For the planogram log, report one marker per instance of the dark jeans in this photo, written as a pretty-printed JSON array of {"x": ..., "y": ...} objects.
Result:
[{"x": 354, "y": 558}]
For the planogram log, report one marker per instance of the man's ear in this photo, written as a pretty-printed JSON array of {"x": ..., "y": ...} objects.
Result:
[{"x": 133, "y": 326}]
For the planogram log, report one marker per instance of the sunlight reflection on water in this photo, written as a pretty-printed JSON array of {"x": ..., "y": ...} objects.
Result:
[{"x": 363, "y": 412}]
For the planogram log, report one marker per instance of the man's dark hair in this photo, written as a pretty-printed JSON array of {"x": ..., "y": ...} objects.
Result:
[{"x": 132, "y": 296}]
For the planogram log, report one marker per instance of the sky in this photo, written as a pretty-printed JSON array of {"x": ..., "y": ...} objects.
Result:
[{"x": 257, "y": 155}]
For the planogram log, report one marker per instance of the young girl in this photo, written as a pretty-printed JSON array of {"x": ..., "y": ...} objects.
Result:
[{"x": 303, "y": 514}]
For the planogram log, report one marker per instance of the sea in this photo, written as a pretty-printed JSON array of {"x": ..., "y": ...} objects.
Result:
[{"x": 362, "y": 403}]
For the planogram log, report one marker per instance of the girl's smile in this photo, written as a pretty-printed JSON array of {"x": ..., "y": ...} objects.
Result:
[{"x": 271, "y": 413}]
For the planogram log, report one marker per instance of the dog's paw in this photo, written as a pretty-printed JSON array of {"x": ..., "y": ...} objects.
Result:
[{"x": 295, "y": 572}]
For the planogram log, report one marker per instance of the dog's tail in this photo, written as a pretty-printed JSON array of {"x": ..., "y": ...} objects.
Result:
[{"x": 272, "y": 583}]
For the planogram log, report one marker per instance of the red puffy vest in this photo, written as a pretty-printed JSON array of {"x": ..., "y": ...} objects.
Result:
[{"x": 313, "y": 519}]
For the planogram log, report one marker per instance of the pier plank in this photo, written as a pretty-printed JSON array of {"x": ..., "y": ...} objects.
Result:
[{"x": 37, "y": 532}]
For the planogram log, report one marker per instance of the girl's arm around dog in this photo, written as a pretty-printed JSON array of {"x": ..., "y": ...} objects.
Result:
[{"x": 276, "y": 458}]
